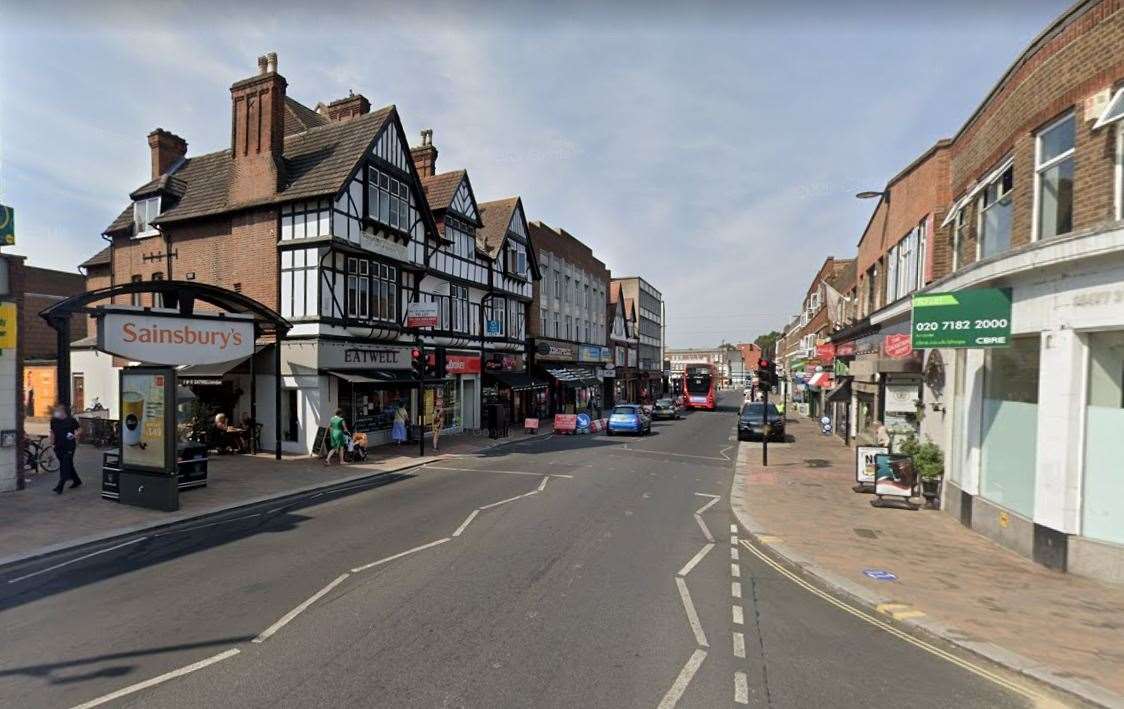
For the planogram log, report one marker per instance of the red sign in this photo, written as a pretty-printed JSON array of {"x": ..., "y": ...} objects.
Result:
[
  {"x": 459, "y": 364},
  {"x": 846, "y": 349},
  {"x": 565, "y": 422},
  {"x": 825, "y": 352},
  {"x": 897, "y": 346}
]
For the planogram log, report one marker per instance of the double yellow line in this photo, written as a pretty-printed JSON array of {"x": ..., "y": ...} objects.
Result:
[{"x": 1039, "y": 699}]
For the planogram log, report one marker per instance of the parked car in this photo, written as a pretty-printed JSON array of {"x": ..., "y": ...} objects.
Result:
[
  {"x": 751, "y": 422},
  {"x": 629, "y": 418},
  {"x": 665, "y": 409}
]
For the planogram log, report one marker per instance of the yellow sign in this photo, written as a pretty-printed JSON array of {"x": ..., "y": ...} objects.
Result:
[{"x": 7, "y": 326}]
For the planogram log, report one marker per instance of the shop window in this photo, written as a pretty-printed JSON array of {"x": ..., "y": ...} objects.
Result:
[
  {"x": 1009, "y": 425},
  {"x": 996, "y": 206},
  {"x": 1053, "y": 174},
  {"x": 1102, "y": 514}
]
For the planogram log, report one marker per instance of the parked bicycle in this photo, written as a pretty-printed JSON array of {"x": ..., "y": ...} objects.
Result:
[{"x": 39, "y": 456}]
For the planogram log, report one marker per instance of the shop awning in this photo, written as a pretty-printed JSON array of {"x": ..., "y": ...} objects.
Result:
[
  {"x": 819, "y": 380},
  {"x": 376, "y": 376},
  {"x": 842, "y": 390},
  {"x": 574, "y": 377},
  {"x": 518, "y": 381},
  {"x": 211, "y": 373}
]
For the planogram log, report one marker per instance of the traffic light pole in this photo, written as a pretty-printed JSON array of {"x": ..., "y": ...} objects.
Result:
[
  {"x": 765, "y": 437},
  {"x": 421, "y": 398}
]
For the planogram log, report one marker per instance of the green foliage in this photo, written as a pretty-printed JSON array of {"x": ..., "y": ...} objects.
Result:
[{"x": 927, "y": 457}]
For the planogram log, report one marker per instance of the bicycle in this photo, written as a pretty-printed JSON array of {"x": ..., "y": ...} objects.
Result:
[{"x": 39, "y": 456}]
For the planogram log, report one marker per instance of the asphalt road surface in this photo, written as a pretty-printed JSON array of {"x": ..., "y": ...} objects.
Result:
[{"x": 572, "y": 572}]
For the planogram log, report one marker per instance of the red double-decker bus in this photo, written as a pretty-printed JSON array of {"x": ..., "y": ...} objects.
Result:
[{"x": 700, "y": 387}]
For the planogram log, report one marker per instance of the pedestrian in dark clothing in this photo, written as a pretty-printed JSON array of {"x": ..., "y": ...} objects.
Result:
[{"x": 64, "y": 437}]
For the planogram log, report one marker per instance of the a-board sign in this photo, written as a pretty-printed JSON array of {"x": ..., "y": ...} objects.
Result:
[
  {"x": 864, "y": 463},
  {"x": 318, "y": 442},
  {"x": 565, "y": 422},
  {"x": 894, "y": 475}
]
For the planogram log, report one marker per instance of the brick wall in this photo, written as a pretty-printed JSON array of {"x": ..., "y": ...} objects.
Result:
[{"x": 43, "y": 288}]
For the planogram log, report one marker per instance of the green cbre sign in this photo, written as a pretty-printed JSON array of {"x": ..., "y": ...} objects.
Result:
[{"x": 980, "y": 317}]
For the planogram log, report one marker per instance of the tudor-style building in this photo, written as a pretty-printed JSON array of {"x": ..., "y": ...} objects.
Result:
[
  {"x": 325, "y": 216},
  {"x": 624, "y": 340}
]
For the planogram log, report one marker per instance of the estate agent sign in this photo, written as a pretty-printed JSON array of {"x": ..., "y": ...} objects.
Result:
[
  {"x": 421, "y": 314},
  {"x": 980, "y": 317},
  {"x": 164, "y": 339}
]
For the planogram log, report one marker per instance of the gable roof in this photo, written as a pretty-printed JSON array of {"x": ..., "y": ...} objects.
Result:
[
  {"x": 317, "y": 162},
  {"x": 496, "y": 216},
  {"x": 440, "y": 189},
  {"x": 299, "y": 117},
  {"x": 101, "y": 258}
]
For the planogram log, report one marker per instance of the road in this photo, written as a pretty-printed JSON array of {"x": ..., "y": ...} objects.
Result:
[{"x": 610, "y": 576}]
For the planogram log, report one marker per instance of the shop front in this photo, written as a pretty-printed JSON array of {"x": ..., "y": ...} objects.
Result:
[
  {"x": 507, "y": 382},
  {"x": 575, "y": 373},
  {"x": 899, "y": 369}
]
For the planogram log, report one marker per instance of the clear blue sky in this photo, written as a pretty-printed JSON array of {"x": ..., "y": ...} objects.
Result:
[{"x": 714, "y": 151}]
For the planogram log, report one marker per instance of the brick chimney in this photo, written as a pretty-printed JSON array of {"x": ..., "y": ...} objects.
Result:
[
  {"x": 257, "y": 133},
  {"x": 345, "y": 109},
  {"x": 167, "y": 149},
  {"x": 425, "y": 155}
]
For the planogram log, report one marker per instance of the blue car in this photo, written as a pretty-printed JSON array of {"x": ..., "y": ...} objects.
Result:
[{"x": 629, "y": 418}]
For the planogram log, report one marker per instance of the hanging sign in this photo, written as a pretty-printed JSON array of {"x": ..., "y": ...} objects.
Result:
[
  {"x": 979, "y": 317},
  {"x": 421, "y": 314},
  {"x": 162, "y": 339}
]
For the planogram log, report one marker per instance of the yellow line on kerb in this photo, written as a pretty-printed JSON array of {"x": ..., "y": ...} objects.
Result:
[{"x": 932, "y": 649}]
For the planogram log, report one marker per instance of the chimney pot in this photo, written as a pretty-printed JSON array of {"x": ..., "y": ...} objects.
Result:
[
  {"x": 257, "y": 133},
  {"x": 271, "y": 62},
  {"x": 425, "y": 155},
  {"x": 263, "y": 64}
]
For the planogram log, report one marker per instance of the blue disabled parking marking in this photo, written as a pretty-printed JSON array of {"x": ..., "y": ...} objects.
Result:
[{"x": 881, "y": 574}]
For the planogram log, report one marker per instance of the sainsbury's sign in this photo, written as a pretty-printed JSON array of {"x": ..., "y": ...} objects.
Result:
[{"x": 159, "y": 339}]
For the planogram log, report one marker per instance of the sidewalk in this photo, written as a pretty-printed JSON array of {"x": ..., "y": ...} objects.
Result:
[
  {"x": 951, "y": 582},
  {"x": 36, "y": 521}
]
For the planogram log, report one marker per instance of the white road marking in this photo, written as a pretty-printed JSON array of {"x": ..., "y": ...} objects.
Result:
[
  {"x": 696, "y": 559},
  {"x": 707, "y": 506},
  {"x": 692, "y": 614},
  {"x": 630, "y": 449},
  {"x": 204, "y": 526},
  {"x": 483, "y": 470},
  {"x": 706, "y": 532},
  {"x": 741, "y": 688},
  {"x": 736, "y": 612},
  {"x": 465, "y": 523},
  {"x": 502, "y": 502},
  {"x": 932, "y": 649},
  {"x": 399, "y": 555},
  {"x": 733, "y": 529},
  {"x": 685, "y": 675},
  {"x": 288, "y": 617},
  {"x": 76, "y": 560},
  {"x": 735, "y": 571},
  {"x": 734, "y": 553},
  {"x": 160, "y": 679},
  {"x": 560, "y": 475},
  {"x": 735, "y": 589},
  {"x": 542, "y": 485},
  {"x": 739, "y": 646}
]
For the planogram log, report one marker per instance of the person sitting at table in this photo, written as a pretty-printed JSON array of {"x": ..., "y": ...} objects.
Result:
[{"x": 230, "y": 435}]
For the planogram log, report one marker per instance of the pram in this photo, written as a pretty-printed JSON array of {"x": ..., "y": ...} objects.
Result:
[{"x": 357, "y": 447}]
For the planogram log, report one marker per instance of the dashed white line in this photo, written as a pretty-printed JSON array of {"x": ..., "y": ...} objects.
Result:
[
  {"x": 733, "y": 540},
  {"x": 707, "y": 506},
  {"x": 672, "y": 697},
  {"x": 739, "y": 646},
  {"x": 288, "y": 617},
  {"x": 736, "y": 612},
  {"x": 741, "y": 688},
  {"x": 399, "y": 555},
  {"x": 734, "y": 553},
  {"x": 160, "y": 679},
  {"x": 692, "y": 614},
  {"x": 466, "y": 522},
  {"x": 733, "y": 529},
  {"x": 542, "y": 485},
  {"x": 735, "y": 589},
  {"x": 502, "y": 502},
  {"x": 76, "y": 560},
  {"x": 706, "y": 532},
  {"x": 695, "y": 559},
  {"x": 735, "y": 571}
]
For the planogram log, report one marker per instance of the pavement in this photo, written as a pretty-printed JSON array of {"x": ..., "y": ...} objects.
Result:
[
  {"x": 35, "y": 521},
  {"x": 559, "y": 572},
  {"x": 951, "y": 583}
]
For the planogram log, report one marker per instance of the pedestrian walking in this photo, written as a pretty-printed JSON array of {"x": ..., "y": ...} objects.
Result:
[
  {"x": 64, "y": 437},
  {"x": 337, "y": 430},
  {"x": 398, "y": 432},
  {"x": 438, "y": 421}
]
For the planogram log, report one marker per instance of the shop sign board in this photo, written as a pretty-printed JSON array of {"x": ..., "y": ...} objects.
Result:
[
  {"x": 845, "y": 349},
  {"x": 593, "y": 353},
  {"x": 8, "y": 326},
  {"x": 349, "y": 355},
  {"x": 551, "y": 350},
  {"x": 7, "y": 226},
  {"x": 501, "y": 362},
  {"x": 458, "y": 364},
  {"x": 897, "y": 346},
  {"x": 978, "y": 317},
  {"x": 901, "y": 398},
  {"x": 421, "y": 314},
  {"x": 894, "y": 475},
  {"x": 864, "y": 463},
  {"x": 825, "y": 353},
  {"x": 156, "y": 338}
]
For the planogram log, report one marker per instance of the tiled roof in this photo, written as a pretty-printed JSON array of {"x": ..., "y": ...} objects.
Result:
[
  {"x": 101, "y": 258},
  {"x": 317, "y": 162},
  {"x": 440, "y": 189},
  {"x": 169, "y": 183},
  {"x": 496, "y": 216},
  {"x": 299, "y": 117}
]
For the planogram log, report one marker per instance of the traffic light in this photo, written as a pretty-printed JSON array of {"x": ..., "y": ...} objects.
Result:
[
  {"x": 418, "y": 362},
  {"x": 435, "y": 364},
  {"x": 766, "y": 373}
]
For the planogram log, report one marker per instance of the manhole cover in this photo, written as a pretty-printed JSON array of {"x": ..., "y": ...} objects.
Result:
[{"x": 817, "y": 463}]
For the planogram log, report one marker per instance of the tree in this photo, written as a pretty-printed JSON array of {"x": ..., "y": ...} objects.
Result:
[{"x": 766, "y": 342}]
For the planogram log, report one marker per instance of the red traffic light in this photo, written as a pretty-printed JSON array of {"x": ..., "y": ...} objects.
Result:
[
  {"x": 762, "y": 364},
  {"x": 415, "y": 353}
]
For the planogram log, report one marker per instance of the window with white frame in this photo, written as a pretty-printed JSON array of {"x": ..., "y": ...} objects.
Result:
[
  {"x": 388, "y": 200},
  {"x": 299, "y": 281},
  {"x": 516, "y": 259},
  {"x": 306, "y": 220},
  {"x": 892, "y": 273},
  {"x": 144, "y": 211},
  {"x": 995, "y": 209},
  {"x": 1053, "y": 177},
  {"x": 458, "y": 308},
  {"x": 958, "y": 239},
  {"x": 459, "y": 233},
  {"x": 358, "y": 288}
]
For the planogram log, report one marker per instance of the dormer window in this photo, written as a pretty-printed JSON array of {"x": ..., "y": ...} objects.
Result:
[
  {"x": 144, "y": 211},
  {"x": 516, "y": 259}
]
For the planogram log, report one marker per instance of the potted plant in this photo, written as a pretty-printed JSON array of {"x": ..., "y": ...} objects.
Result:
[{"x": 928, "y": 461}]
